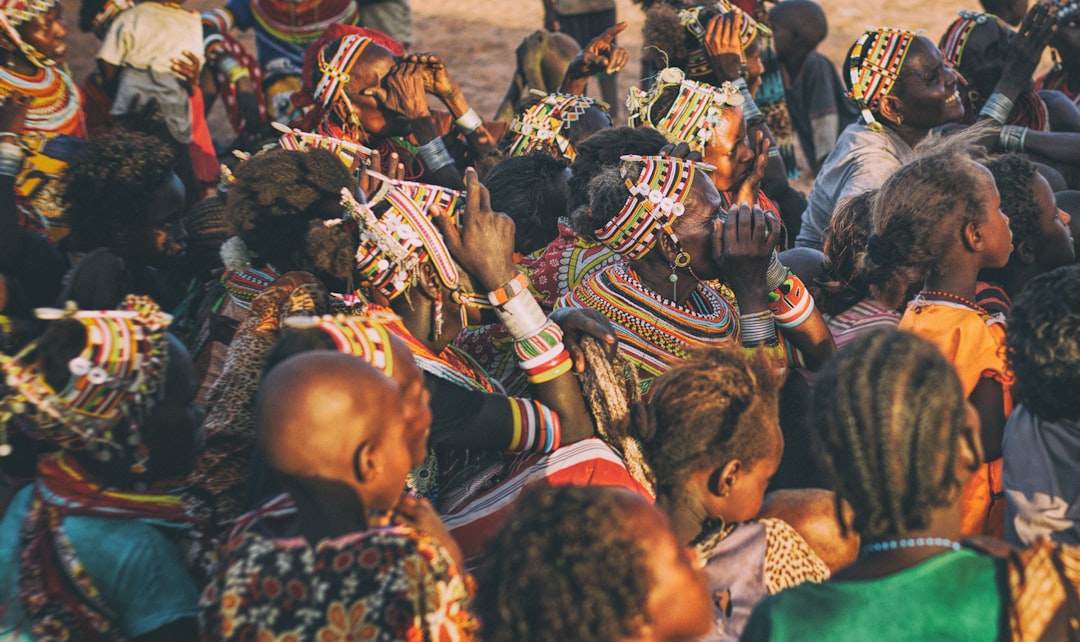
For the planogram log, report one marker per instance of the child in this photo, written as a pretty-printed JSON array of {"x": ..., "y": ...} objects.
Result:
[
  {"x": 1042, "y": 437},
  {"x": 925, "y": 235},
  {"x": 589, "y": 563},
  {"x": 816, "y": 99},
  {"x": 154, "y": 51}
]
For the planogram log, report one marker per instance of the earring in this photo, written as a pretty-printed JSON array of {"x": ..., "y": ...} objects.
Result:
[
  {"x": 436, "y": 331},
  {"x": 682, "y": 259},
  {"x": 899, "y": 120}
]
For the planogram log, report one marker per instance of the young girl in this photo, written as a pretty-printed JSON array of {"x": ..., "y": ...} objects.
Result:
[{"x": 937, "y": 223}]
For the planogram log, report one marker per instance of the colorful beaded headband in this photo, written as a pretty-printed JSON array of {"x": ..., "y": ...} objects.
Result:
[
  {"x": 874, "y": 65},
  {"x": 657, "y": 196},
  {"x": 693, "y": 115},
  {"x": 394, "y": 244},
  {"x": 542, "y": 124},
  {"x": 697, "y": 64},
  {"x": 1067, "y": 9},
  {"x": 100, "y": 24},
  {"x": 956, "y": 37},
  {"x": 363, "y": 336},
  {"x": 119, "y": 373},
  {"x": 335, "y": 73},
  {"x": 347, "y": 152},
  {"x": 14, "y": 13}
]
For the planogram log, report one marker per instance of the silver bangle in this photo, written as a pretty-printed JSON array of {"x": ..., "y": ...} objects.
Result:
[
  {"x": 757, "y": 328},
  {"x": 11, "y": 159},
  {"x": 776, "y": 273},
  {"x": 434, "y": 155},
  {"x": 998, "y": 107},
  {"x": 1012, "y": 138},
  {"x": 469, "y": 122},
  {"x": 750, "y": 110}
]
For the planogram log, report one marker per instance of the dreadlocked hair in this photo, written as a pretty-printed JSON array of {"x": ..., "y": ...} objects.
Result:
[
  {"x": 705, "y": 411},
  {"x": 664, "y": 32},
  {"x": 1042, "y": 344},
  {"x": 280, "y": 196},
  {"x": 919, "y": 215},
  {"x": 841, "y": 286},
  {"x": 885, "y": 419},
  {"x": 564, "y": 566},
  {"x": 603, "y": 150},
  {"x": 530, "y": 189},
  {"x": 111, "y": 185},
  {"x": 1015, "y": 177}
]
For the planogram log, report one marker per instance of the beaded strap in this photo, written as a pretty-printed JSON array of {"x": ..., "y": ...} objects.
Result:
[
  {"x": 335, "y": 72},
  {"x": 874, "y": 65}
]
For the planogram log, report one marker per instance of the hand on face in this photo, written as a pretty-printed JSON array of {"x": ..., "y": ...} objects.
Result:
[
  {"x": 404, "y": 93},
  {"x": 723, "y": 46},
  {"x": 436, "y": 81},
  {"x": 743, "y": 244},
  {"x": 747, "y": 191}
]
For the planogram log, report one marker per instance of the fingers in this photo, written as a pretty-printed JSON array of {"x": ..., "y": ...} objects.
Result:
[
  {"x": 680, "y": 150},
  {"x": 618, "y": 59},
  {"x": 451, "y": 234}
]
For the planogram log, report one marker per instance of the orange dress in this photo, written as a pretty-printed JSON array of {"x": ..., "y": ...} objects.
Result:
[{"x": 974, "y": 343}]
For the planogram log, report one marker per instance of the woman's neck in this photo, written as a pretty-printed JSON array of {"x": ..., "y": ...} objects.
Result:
[
  {"x": 418, "y": 315},
  {"x": 686, "y": 515},
  {"x": 910, "y": 135},
  {"x": 655, "y": 275},
  {"x": 943, "y": 532},
  {"x": 326, "y": 513}
]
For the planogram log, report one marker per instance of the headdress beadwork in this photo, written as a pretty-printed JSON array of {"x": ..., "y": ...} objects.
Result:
[
  {"x": 693, "y": 115},
  {"x": 363, "y": 335},
  {"x": 545, "y": 123},
  {"x": 873, "y": 66},
  {"x": 335, "y": 72}
]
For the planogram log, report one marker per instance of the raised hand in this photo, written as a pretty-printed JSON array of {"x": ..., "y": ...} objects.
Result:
[
  {"x": 484, "y": 246},
  {"x": 601, "y": 55},
  {"x": 747, "y": 192},
  {"x": 1026, "y": 49},
  {"x": 186, "y": 69},
  {"x": 743, "y": 243},
  {"x": 723, "y": 47}
]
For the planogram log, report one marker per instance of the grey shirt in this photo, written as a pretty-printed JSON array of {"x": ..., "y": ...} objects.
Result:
[{"x": 861, "y": 161}]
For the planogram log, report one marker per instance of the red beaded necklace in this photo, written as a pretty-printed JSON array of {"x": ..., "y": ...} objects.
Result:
[{"x": 955, "y": 297}]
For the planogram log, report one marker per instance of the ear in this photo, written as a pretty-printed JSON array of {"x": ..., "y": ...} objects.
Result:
[
  {"x": 1025, "y": 253},
  {"x": 723, "y": 479},
  {"x": 972, "y": 237},
  {"x": 667, "y": 246},
  {"x": 428, "y": 281},
  {"x": 891, "y": 108},
  {"x": 365, "y": 462}
]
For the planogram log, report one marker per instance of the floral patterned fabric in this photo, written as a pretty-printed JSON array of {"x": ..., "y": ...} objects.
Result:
[{"x": 390, "y": 583}]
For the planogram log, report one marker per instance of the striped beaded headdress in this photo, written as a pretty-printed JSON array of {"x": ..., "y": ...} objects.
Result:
[
  {"x": 346, "y": 151},
  {"x": 544, "y": 124},
  {"x": 396, "y": 242},
  {"x": 693, "y": 115},
  {"x": 120, "y": 373},
  {"x": 873, "y": 65},
  {"x": 14, "y": 13},
  {"x": 657, "y": 195},
  {"x": 956, "y": 36},
  {"x": 335, "y": 72},
  {"x": 697, "y": 64},
  {"x": 363, "y": 335}
]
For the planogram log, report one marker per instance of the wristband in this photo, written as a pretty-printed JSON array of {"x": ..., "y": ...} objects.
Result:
[
  {"x": 546, "y": 361},
  {"x": 522, "y": 315},
  {"x": 776, "y": 273},
  {"x": 547, "y": 339},
  {"x": 469, "y": 122},
  {"x": 237, "y": 73},
  {"x": 791, "y": 302},
  {"x": 510, "y": 289},
  {"x": 998, "y": 107},
  {"x": 4, "y": 135},
  {"x": 434, "y": 155},
  {"x": 553, "y": 373},
  {"x": 757, "y": 328},
  {"x": 11, "y": 159},
  {"x": 1012, "y": 138},
  {"x": 750, "y": 110}
]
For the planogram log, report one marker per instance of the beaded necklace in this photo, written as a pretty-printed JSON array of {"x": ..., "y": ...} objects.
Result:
[
  {"x": 910, "y": 542},
  {"x": 955, "y": 297},
  {"x": 54, "y": 105}
]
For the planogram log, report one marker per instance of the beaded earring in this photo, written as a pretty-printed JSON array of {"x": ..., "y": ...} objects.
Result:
[
  {"x": 437, "y": 326},
  {"x": 682, "y": 260}
]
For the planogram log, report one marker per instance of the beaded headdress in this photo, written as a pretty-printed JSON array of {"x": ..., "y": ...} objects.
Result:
[
  {"x": 363, "y": 336},
  {"x": 14, "y": 13},
  {"x": 697, "y": 64},
  {"x": 118, "y": 375},
  {"x": 693, "y": 115},
  {"x": 873, "y": 65},
  {"x": 1066, "y": 9},
  {"x": 956, "y": 36},
  {"x": 345, "y": 151},
  {"x": 394, "y": 244},
  {"x": 657, "y": 196},
  {"x": 335, "y": 72},
  {"x": 544, "y": 124}
]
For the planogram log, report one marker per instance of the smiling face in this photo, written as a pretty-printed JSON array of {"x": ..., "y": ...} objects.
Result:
[
  {"x": 926, "y": 92},
  {"x": 47, "y": 33},
  {"x": 728, "y": 150}
]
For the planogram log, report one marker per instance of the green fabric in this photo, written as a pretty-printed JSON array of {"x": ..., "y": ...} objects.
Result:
[{"x": 952, "y": 596}]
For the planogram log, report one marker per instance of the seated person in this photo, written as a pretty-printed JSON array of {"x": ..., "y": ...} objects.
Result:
[{"x": 816, "y": 99}]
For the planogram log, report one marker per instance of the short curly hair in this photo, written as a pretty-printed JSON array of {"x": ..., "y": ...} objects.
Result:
[
  {"x": 841, "y": 286},
  {"x": 1015, "y": 178},
  {"x": 564, "y": 566},
  {"x": 1042, "y": 344},
  {"x": 704, "y": 412},
  {"x": 110, "y": 185},
  {"x": 276, "y": 198},
  {"x": 524, "y": 188}
]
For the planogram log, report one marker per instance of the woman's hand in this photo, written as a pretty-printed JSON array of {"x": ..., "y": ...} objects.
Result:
[
  {"x": 417, "y": 513},
  {"x": 13, "y": 114},
  {"x": 723, "y": 47},
  {"x": 747, "y": 192},
  {"x": 601, "y": 55},
  {"x": 484, "y": 246},
  {"x": 743, "y": 244},
  {"x": 404, "y": 91},
  {"x": 576, "y": 324},
  {"x": 436, "y": 81},
  {"x": 680, "y": 150},
  {"x": 186, "y": 69},
  {"x": 1026, "y": 49}
]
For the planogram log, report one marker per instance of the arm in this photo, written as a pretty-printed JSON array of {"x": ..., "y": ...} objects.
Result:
[
  {"x": 601, "y": 55},
  {"x": 438, "y": 82},
  {"x": 988, "y": 397}
]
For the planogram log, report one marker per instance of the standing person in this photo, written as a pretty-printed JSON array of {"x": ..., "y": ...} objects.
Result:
[
  {"x": 584, "y": 20},
  {"x": 392, "y": 17}
]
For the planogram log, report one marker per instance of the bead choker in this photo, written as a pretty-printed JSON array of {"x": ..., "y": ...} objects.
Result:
[
  {"x": 955, "y": 297},
  {"x": 910, "y": 542}
]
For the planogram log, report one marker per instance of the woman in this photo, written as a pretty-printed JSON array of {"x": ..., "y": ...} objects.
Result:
[
  {"x": 664, "y": 216},
  {"x": 899, "y": 108},
  {"x": 711, "y": 437},
  {"x": 554, "y": 124},
  {"x": 894, "y": 434},
  {"x": 88, "y": 547}
]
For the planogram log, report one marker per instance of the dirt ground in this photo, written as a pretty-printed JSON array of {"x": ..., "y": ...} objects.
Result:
[{"x": 477, "y": 38}]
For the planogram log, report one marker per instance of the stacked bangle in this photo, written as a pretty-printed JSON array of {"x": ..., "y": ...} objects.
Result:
[
  {"x": 998, "y": 107},
  {"x": 469, "y": 122},
  {"x": 434, "y": 155},
  {"x": 11, "y": 158},
  {"x": 750, "y": 110},
  {"x": 521, "y": 315},
  {"x": 547, "y": 341},
  {"x": 791, "y": 303},
  {"x": 757, "y": 328},
  {"x": 1012, "y": 138},
  {"x": 515, "y": 286},
  {"x": 776, "y": 273}
]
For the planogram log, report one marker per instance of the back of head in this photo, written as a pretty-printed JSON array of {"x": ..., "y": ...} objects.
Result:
[
  {"x": 1043, "y": 344},
  {"x": 885, "y": 421},
  {"x": 565, "y": 566},
  {"x": 530, "y": 189},
  {"x": 805, "y": 18},
  {"x": 706, "y": 411},
  {"x": 845, "y": 238},
  {"x": 604, "y": 149}
]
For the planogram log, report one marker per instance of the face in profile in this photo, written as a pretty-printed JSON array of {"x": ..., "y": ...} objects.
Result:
[
  {"x": 926, "y": 89},
  {"x": 375, "y": 118}
]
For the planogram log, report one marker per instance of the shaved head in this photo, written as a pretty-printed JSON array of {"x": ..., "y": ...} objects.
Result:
[
  {"x": 805, "y": 17},
  {"x": 315, "y": 410}
]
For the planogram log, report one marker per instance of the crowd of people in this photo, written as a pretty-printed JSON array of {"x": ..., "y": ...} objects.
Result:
[{"x": 590, "y": 370}]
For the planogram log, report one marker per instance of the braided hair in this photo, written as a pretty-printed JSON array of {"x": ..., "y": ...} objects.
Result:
[
  {"x": 841, "y": 285},
  {"x": 885, "y": 419},
  {"x": 563, "y": 567},
  {"x": 604, "y": 149}
]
